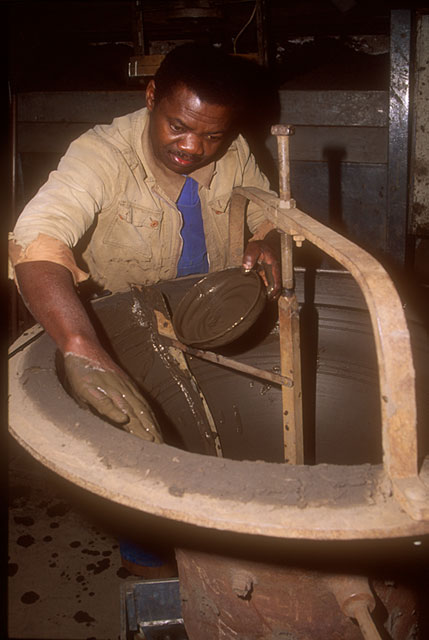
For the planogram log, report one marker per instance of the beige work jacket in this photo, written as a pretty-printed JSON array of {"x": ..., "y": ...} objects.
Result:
[{"x": 111, "y": 195}]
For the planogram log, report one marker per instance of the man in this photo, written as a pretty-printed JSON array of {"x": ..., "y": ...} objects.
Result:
[{"x": 147, "y": 197}]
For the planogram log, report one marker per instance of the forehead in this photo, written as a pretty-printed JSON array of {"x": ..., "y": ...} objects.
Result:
[{"x": 185, "y": 105}]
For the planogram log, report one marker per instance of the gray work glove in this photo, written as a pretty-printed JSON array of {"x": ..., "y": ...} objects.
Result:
[{"x": 113, "y": 395}]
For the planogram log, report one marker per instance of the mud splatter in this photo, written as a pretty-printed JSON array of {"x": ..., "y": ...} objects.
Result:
[
  {"x": 83, "y": 616},
  {"x": 59, "y": 509},
  {"x": 19, "y": 495},
  {"x": 25, "y": 520},
  {"x": 75, "y": 544},
  {"x": 30, "y": 597},
  {"x": 101, "y": 565},
  {"x": 91, "y": 552},
  {"x": 25, "y": 541},
  {"x": 12, "y": 569},
  {"x": 54, "y": 525},
  {"x": 47, "y": 539},
  {"x": 176, "y": 491},
  {"x": 123, "y": 573},
  {"x": 106, "y": 553}
]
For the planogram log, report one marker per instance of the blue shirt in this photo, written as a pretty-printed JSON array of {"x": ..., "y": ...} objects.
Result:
[{"x": 194, "y": 252}]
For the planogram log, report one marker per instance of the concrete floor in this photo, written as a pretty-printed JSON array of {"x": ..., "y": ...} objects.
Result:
[{"x": 64, "y": 567}]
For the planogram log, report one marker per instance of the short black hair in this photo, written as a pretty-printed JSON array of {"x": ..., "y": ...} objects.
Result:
[{"x": 214, "y": 76}]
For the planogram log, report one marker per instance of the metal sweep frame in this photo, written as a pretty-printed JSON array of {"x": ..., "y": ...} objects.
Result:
[{"x": 396, "y": 370}]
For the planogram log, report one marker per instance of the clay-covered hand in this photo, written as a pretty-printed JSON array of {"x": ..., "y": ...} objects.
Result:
[
  {"x": 112, "y": 395},
  {"x": 260, "y": 252}
]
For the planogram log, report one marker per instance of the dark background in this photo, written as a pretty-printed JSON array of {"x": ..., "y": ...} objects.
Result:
[{"x": 82, "y": 45}]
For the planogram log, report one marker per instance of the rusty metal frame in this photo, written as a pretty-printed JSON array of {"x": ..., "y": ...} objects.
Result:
[{"x": 396, "y": 370}]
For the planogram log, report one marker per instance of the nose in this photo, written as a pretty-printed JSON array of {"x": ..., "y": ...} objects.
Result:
[{"x": 191, "y": 144}]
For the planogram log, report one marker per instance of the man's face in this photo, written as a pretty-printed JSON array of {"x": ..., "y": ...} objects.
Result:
[{"x": 185, "y": 132}]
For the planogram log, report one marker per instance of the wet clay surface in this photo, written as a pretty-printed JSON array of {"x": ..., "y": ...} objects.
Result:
[
  {"x": 185, "y": 474},
  {"x": 219, "y": 308},
  {"x": 247, "y": 412}
]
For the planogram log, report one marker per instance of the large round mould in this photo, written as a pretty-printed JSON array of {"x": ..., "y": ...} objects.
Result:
[{"x": 345, "y": 495}]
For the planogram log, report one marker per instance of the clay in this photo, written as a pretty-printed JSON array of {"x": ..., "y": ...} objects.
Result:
[
  {"x": 248, "y": 414},
  {"x": 146, "y": 303},
  {"x": 247, "y": 411},
  {"x": 219, "y": 308},
  {"x": 194, "y": 475}
]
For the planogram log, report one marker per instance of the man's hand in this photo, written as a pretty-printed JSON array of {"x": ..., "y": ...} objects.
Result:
[
  {"x": 260, "y": 252},
  {"x": 95, "y": 380},
  {"x": 112, "y": 394}
]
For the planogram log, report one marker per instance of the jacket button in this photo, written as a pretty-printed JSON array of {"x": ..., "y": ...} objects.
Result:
[
  {"x": 218, "y": 213},
  {"x": 154, "y": 224}
]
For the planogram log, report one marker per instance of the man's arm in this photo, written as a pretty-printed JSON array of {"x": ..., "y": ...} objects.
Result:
[{"x": 48, "y": 291}]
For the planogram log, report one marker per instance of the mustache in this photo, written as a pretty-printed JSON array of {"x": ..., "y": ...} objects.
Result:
[{"x": 190, "y": 157}]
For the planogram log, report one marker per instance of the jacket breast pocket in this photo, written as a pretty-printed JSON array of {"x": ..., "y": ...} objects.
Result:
[
  {"x": 134, "y": 227},
  {"x": 219, "y": 218},
  {"x": 220, "y": 206}
]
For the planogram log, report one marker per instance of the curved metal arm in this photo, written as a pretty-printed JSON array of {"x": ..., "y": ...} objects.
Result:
[{"x": 396, "y": 370}]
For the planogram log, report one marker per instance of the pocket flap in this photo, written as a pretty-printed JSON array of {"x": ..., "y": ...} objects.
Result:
[
  {"x": 139, "y": 216},
  {"x": 220, "y": 205}
]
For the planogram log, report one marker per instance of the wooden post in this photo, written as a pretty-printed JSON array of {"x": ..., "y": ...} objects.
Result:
[{"x": 290, "y": 353}]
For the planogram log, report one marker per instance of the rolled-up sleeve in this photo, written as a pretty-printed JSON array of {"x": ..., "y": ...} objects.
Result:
[
  {"x": 44, "y": 248},
  {"x": 65, "y": 207}
]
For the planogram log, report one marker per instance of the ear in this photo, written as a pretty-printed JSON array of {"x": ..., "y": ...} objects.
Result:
[{"x": 150, "y": 95}]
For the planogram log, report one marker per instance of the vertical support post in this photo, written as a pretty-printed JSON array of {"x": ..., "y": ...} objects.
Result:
[
  {"x": 290, "y": 352},
  {"x": 262, "y": 30},
  {"x": 419, "y": 156},
  {"x": 290, "y": 365},
  {"x": 139, "y": 43},
  {"x": 237, "y": 210},
  {"x": 397, "y": 177},
  {"x": 288, "y": 280},
  {"x": 14, "y": 296},
  {"x": 283, "y": 131}
]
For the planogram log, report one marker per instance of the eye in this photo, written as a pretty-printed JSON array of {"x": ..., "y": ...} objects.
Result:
[
  {"x": 176, "y": 128},
  {"x": 214, "y": 138}
]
